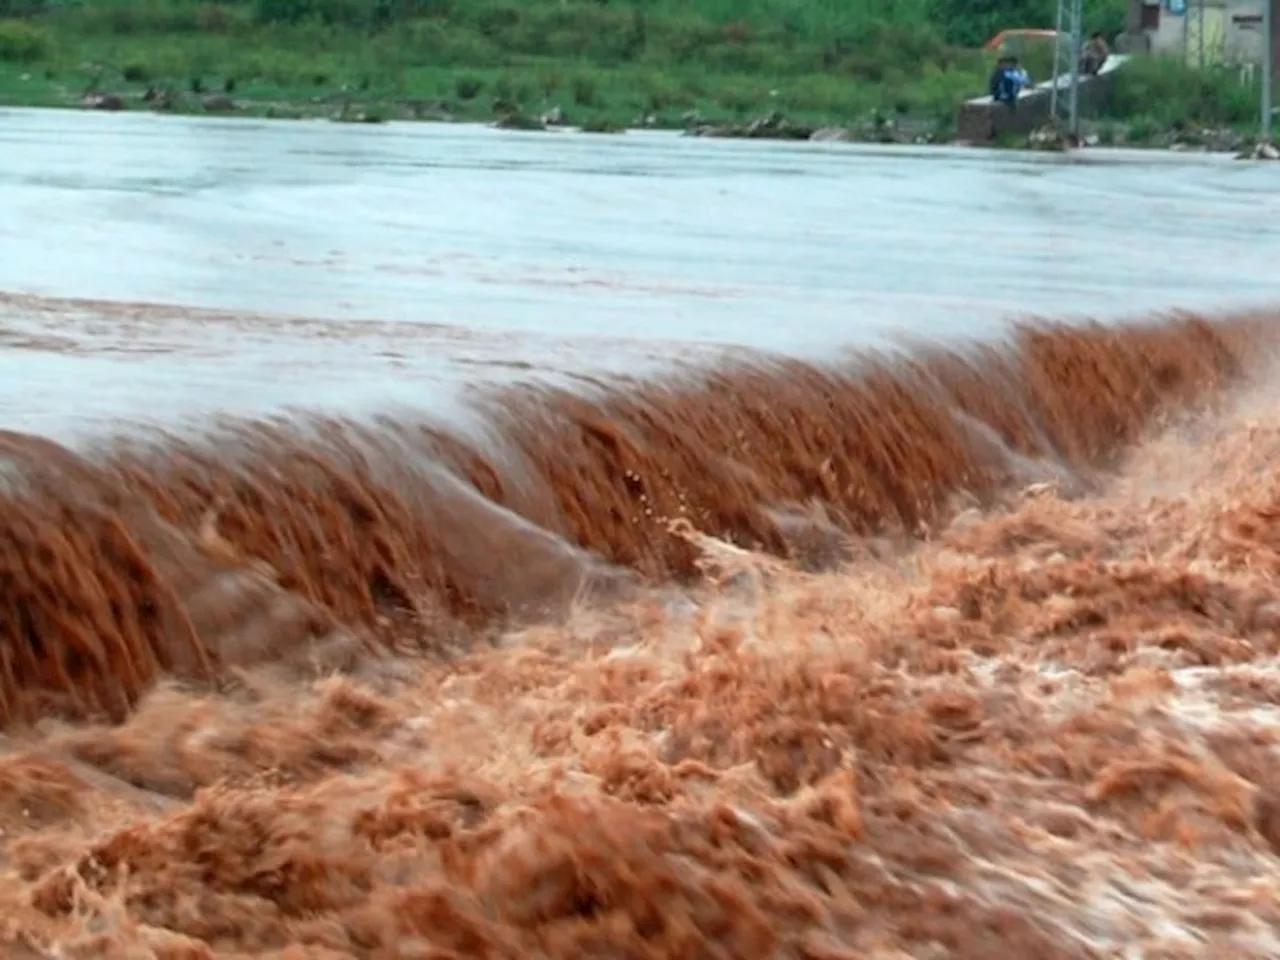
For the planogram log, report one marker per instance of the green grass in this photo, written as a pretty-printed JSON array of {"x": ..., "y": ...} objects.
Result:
[
  {"x": 605, "y": 65},
  {"x": 586, "y": 96},
  {"x": 600, "y": 64}
]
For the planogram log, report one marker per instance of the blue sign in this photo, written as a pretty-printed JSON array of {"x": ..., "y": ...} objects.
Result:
[{"x": 1176, "y": 7}]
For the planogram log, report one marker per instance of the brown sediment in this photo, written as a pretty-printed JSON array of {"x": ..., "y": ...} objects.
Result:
[{"x": 268, "y": 538}]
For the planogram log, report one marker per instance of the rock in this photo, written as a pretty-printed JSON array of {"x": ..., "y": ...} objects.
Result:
[
  {"x": 553, "y": 117},
  {"x": 160, "y": 99},
  {"x": 519, "y": 121},
  {"x": 104, "y": 101},
  {"x": 1051, "y": 138},
  {"x": 776, "y": 125},
  {"x": 436, "y": 111},
  {"x": 773, "y": 126},
  {"x": 1260, "y": 151},
  {"x": 1212, "y": 140},
  {"x": 708, "y": 130},
  {"x": 218, "y": 103},
  {"x": 832, "y": 135}
]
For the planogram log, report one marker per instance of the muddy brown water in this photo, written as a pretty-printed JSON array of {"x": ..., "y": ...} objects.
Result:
[{"x": 904, "y": 658}]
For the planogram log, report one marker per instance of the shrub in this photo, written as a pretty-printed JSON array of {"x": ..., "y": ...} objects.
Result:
[
  {"x": 584, "y": 91},
  {"x": 468, "y": 88},
  {"x": 1176, "y": 95},
  {"x": 24, "y": 42},
  {"x": 1142, "y": 130}
]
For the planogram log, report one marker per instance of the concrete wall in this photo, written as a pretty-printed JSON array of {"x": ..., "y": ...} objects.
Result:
[
  {"x": 982, "y": 121},
  {"x": 1232, "y": 30},
  {"x": 1243, "y": 42},
  {"x": 1170, "y": 37}
]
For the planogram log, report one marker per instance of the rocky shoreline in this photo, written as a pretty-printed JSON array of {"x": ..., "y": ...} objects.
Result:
[{"x": 875, "y": 128}]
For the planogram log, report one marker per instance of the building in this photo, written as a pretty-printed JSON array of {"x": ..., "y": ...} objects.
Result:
[{"x": 1205, "y": 31}]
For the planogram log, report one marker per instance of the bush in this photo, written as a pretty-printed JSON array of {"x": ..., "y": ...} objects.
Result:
[
  {"x": 23, "y": 8},
  {"x": 584, "y": 91},
  {"x": 24, "y": 42},
  {"x": 1143, "y": 130},
  {"x": 468, "y": 88},
  {"x": 1170, "y": 92},
  {"x": 972, "y": 23}
]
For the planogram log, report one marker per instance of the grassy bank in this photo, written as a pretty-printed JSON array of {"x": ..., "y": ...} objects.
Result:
[
  {"x": 597, "y": 64},
  {"x": 895, "y": 69},
  {"x": 1160, "y": 101}
]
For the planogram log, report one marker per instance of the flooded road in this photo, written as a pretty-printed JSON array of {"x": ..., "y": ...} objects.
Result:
[{"x": 156, "y": 266}]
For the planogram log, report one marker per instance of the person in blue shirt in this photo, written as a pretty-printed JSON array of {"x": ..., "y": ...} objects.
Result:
[
  {"x": 1021, "y": 76},
  {"x": 1008, "y": 82}
]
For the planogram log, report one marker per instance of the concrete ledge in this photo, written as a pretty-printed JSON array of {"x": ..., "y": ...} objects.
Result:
[{"x": 982, "y": 120}]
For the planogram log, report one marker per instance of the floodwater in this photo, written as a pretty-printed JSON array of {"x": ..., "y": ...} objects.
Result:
[
  {"x": 968, "y": 657},
  {"x": 424, "y": 255}
]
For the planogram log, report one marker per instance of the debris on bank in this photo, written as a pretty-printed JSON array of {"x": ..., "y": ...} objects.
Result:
[
  {"x": 876, "y": 128},
  {"x": 1262, "y": 150},
  {"x": 1053, "y": 139},
  {"x": 515, "y": 120},
  {"x": 879, "y": 127},
  {"x": 103, "y": 101},
  {"x": 772, "y": 126}
]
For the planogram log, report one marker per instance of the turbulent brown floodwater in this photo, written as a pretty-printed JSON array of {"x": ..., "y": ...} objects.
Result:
[
  {"x": 916, "y": 658},
  {"x": 957, "y": 652}
]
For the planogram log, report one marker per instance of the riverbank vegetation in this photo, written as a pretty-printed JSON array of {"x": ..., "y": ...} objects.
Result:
[
  {"x": 1161, "y": 101},
  {"x": 889, "y": 68}
]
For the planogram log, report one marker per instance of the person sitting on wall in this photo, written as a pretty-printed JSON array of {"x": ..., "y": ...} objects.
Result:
[
  {"x": 1020, "y": 74},
  {"x": 1008, "y": 81},
  {"x": 1095, "y": 55}
]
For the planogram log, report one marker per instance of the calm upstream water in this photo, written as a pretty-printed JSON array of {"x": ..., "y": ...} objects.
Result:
[{"x": 156, "y": 266}]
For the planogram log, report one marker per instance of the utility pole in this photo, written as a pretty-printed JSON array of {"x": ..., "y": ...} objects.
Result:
[
  {"x": 1268, "y": 64},
  {"x": 1200, "y": 31},
  {"x": 1186, "y": 34},
  {"x": 1066, "y": 65}
]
